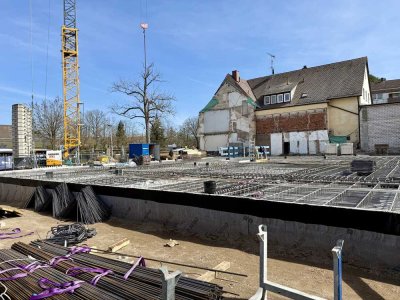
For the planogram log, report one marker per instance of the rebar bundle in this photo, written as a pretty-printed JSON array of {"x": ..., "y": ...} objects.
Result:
[
  {"x": 142, "y": 284},
  {"x": 70, "y": 234},
  {"x": 42, "y": 199},
  {"x": 23, "y": 282},
  {"x": 64, "y": 202},
  {"x": 91, "y": 208}
]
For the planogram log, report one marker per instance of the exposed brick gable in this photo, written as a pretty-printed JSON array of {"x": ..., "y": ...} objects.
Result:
[{"x": 289, "y": 122}]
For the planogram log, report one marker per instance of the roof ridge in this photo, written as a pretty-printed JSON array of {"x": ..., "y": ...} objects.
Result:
[{"x": 314, "y": 67}]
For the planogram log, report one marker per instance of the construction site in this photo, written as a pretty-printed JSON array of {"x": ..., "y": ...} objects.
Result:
[
  {"x": 289, "y": 190},
  {"x": 306, "y": 203}
]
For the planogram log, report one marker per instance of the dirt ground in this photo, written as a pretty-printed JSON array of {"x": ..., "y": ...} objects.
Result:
[{"x": 148, "y": 240}]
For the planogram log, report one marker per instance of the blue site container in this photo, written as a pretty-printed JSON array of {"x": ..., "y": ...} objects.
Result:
[{"x": 136, "y": 150}]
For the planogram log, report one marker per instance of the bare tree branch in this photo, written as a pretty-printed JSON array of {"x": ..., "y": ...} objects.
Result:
[
  {"x": 48, "y": 121},
  {"x": 147, "y": 100}
]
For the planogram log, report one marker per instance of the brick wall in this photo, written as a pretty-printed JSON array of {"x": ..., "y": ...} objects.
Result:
[
  {"x": 380, "y": 124},
  {"x": 289, "y": 122}
]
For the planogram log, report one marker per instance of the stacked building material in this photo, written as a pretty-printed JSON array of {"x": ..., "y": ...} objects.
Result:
[
  {"x": 83, "y": 206},
  {"x": 70, "y": 234},
  {"x": 42, "y": 199},
  {"x": 121, "y": 279},
  {"x": 64, "y": 202},
  {"x": 91, "y": 209},
  {"x": 24, "y": 278}
]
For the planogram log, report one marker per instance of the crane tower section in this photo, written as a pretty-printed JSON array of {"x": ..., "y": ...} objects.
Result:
[{"x": 70, "y": 68}]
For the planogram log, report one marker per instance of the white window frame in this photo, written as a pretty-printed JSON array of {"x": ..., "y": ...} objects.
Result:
[
  {"x": 279, "y": 100},
  {"x": 284, "y": 97},
  {"x": 272, "y": 99},
  {"x": 267, "y": 100}
]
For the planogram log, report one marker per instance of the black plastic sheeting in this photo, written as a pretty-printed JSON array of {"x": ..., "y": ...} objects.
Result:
[{"x": 377, "y": 221}]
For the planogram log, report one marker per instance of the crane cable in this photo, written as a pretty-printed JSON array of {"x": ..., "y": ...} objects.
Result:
[
  {"x": 143, "y": 7},
  {"x": 47, "y": 50},
  {"x": 31, "y": 50}
]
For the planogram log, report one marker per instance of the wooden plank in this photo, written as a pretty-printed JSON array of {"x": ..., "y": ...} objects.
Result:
[
  {"x": 209, "y": 275},
  {"x": 119, "y": 245}
]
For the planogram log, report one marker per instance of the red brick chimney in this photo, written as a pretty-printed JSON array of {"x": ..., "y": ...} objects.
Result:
[{"x": 235, "y": 75}]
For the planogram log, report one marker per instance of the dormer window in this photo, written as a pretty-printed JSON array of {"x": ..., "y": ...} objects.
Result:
[{"x": 277, "y": 98}]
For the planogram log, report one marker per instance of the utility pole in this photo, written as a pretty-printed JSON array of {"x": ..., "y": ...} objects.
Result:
[{"x": 111, "y": 141}]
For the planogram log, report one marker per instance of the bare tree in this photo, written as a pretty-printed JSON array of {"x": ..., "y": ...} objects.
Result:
[
  {"x": 190, "y": 127},
  {"x": 48, "y": 121},
  {"x": 95, "y": 125},
  {"x": 148, "y": 100}
]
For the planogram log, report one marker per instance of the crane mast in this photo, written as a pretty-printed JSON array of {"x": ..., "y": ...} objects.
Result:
[{"x": 70, "y": 70}]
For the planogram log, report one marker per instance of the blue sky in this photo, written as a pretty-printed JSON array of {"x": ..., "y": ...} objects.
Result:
[{"x": 192, "y": 43}]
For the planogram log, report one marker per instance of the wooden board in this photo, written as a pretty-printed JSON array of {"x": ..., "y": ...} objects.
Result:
[
  {"x": 210, "y": 275},
  {"x": 118, "y": 245}
]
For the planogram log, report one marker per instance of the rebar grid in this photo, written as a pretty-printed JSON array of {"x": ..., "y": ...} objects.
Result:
[{"x": 311, "y": 181}]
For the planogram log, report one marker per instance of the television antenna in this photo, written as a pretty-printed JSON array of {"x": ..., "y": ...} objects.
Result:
[{"x": 272, "y": 62}]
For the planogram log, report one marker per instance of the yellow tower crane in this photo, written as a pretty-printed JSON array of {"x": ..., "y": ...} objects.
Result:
[{"x": 70, "y": 70}]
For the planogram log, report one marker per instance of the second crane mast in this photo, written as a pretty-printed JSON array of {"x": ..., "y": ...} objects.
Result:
[{"x": 70, "y": 70}]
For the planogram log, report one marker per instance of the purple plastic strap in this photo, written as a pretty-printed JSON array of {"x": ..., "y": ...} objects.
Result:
[
  {"x": 140, "y": 262},
  {"x": 54, "y": 261},
  {"x": 16, "y": 276},
  {"x": 52, "y": 288},
  {"x": 78, "y": 249},
  {"x": 33, "y": 266},
  {"x": 10, "y": 235},
  {"x": 97, "y": 277},
  {"x": 14, "y": 231},
  {"x": 78, "y": 270}
]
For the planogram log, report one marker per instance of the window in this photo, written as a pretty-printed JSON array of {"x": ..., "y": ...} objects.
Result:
[
  {"x": 280, "y": 98},
  {"x": 273, "y": 99},
  {"x": 267, "y": 100},
  {"x": 379, "y": 96},
  {"x": 287, "y": 97},
  {"x": 363, "y": 93},
  {"x": 396, "y": 95},
  {"x": 245, "y": 108},
  {"x": 304, "y": 95}
]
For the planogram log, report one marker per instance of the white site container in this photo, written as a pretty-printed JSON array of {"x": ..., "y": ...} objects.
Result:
[
  {"x": 347, "y": 149},
  {"x": 331, "y": 149}
]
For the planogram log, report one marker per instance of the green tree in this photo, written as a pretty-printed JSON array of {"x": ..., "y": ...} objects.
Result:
[
  {"x": 374, "y": 79},
  {"x": 157, "y": 132},
  {"x": 121, "y": 135}
]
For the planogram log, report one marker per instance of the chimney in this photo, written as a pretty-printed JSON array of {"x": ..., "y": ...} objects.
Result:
[
  {"x": 304, "y": 67},
  {"x": 235, "y": 75}
]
